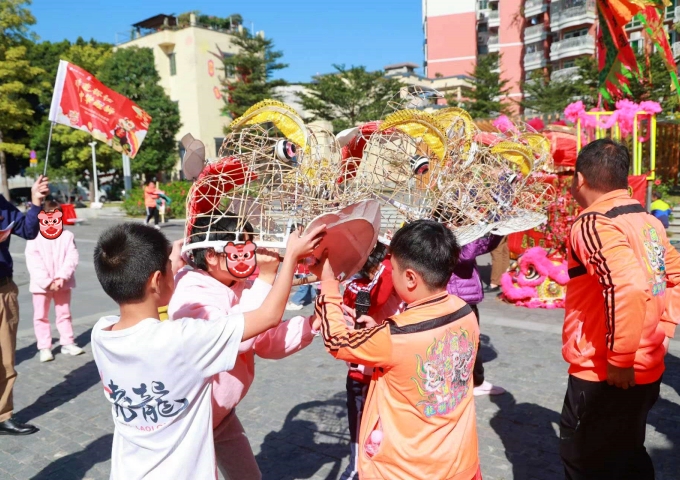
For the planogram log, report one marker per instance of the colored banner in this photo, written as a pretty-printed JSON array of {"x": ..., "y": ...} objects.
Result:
[
  {"x": 653, "y": 20},
  {"x": 83, "y": 102},
  {"x": 637, "y": 188},
  {"x": 616, "y": 58}
]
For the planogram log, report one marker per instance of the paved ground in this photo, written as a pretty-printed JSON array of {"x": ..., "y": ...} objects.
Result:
[{"x": 295, "y": 415}]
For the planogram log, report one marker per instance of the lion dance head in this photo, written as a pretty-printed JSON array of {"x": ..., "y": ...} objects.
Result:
[{"x": 537, "y": 279}]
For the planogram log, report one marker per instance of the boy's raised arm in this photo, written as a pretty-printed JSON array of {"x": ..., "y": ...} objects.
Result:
[
  {"x": 370, "y": 346},
  {"x": 271, "y": 311}
]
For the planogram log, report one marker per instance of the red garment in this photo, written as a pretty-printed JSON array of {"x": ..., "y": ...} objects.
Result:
[{"x": 380, "y": 293}]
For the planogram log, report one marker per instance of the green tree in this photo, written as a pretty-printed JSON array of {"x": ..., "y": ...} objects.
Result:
[
  {"x": 587, "y": 81},
  {"x": 349, "y": 96},
  {"x": 16, "y": 78},
  {"x": 547, "y": 96},
  {"x": 132, "y": 72},
  {"x": 484, "y": 97},
  {"x": 248, "y": 73},
  {"x": 70, "y": 147}
]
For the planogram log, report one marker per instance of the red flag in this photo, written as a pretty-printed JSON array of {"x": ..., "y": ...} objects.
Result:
[{"x": 83, "y": 102}]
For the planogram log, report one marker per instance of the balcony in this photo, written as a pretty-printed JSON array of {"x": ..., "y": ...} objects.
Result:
[
  {"x": 572, "y": 47},
  {"x": 573, "y": 16},
  {"x": 534, "y": 60},
  {"x": 535, "y": 33},
  {"x": 534, "y": 7},
  {"x": 494, "y": 18},
  {"x": 493, "y": 43},
  {"x": 569, "y": 73},
  {"x": 676, "y": 15},
  {"x": 676, "y": 50}
]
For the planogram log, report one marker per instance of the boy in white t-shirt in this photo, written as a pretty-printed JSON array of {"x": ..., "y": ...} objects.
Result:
[{"x": 156, "y": 375}]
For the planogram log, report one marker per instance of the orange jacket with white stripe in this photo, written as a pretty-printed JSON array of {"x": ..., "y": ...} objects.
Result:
[
  {"x": 623, "y": 298},
  {"x": 419, "y": 417}
]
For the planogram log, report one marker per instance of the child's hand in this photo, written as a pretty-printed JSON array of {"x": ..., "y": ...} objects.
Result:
[
  {"x": 268, "y": 262},
  {"x": 316, "y": 323},
  {"x": 368, "y": 322},
  {"x": 58, "y": 284},
  {"x": 322, "y": 268},
  {"x": 301, "y": 246},
  {"x": 176, "y": 259}
]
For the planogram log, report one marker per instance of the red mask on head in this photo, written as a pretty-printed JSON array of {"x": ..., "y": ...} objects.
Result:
[
  {"x": 50, "y": 224},
  {"x": 241, "y": 260}
]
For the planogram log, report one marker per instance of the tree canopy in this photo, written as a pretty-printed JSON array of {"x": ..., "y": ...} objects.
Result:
[
  {"x": 484, "y": 98},
  {"x": 132, "y": 72},
  {"x": 248, "y": 73},
  {"x": 349, "y": 96},
  {"x": 17, "y": 77}
]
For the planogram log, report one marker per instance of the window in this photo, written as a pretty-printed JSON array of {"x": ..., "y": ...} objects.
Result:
[
  {"x": 173, "y": 64},
  {"x": 576, "y": 33},
  {"x": 218, "y": 143},
  {"x": 569, "y": 64},
  {"x": 483, "y": 4},
  {"x": 482, "y": 27},
  {"x": 482, "y": 49}
]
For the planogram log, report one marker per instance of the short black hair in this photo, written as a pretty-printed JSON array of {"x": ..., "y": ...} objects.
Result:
[
  {"x": 222, "y": 230},
  {"x": 429, "y": 248},
  {"x": 656, "y": 194},
  {"x": 604, "y": 164},
  {"x": 126, "y": 256}
]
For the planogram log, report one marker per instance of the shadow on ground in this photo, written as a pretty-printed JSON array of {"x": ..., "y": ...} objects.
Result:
[
  {"x": 75, "y": 383},
  {"x": 76, "y": 465},
  {"x": 30, "y": 351},
  {"x": 314, "y": 434}
]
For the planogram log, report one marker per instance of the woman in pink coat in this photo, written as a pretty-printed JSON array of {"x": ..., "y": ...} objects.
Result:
[
  {"x": 209, "y": 292},
  {"x": 52, "y": 264}
]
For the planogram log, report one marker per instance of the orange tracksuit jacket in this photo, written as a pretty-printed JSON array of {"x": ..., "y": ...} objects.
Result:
[
  {"x": 420, "y": 396},
  {"x": 622, "y": 296}
]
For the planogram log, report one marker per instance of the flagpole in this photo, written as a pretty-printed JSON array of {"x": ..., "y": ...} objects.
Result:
[
  {"x": 94, "y": 201},
  {"x": 47, "y": 155}
]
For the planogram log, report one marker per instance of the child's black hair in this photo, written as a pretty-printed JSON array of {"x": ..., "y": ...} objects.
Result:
[
  {"x": 126, "y": 256},
  {"x": 375, "y": 258},
  {"x": 429, "y": 248},
  {"x": 222, "y": 230}
]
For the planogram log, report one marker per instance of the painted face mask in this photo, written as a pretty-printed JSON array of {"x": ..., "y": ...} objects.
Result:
[
  {"x": 241, "y": 259},
  {"x": 51, "y": 225}
]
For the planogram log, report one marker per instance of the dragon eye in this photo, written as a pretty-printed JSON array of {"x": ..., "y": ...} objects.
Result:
[
  {"x": 246, "y": 256},
  {"x": 234, "y": 256},
  {"x": 532, "y": 274}
]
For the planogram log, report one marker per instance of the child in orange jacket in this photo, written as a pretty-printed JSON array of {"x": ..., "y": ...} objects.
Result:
[{"x": 419, "y": 418}]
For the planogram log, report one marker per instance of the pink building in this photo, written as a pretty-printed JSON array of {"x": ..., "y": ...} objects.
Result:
[{"x": 530, "y": 35}]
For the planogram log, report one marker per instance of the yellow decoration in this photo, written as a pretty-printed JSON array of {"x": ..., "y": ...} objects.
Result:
[
  {"x": 452, "y": 115},
  {"x": 417, "y": 124},
  {"x": 538, "y": 143},
  {"x": 284, "y": 117},
  {"x": 515, "y": 153}
]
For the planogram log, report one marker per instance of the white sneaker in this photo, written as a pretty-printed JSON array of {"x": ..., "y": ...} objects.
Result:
[
  {"x": 157, "y": 227},
  {"x": 46, "y": 355},
  {"x": 72, "y": 349},
  {"x": 486, "y": 388},
  {"x": 294, "y": 306}
]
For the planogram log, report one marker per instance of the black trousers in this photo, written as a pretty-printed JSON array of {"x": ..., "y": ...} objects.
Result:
[
  {"x": 152, "y": 212},
  {"x": 356, "y": 398},
  {"x": 602, "y": 431},
  {"x": 478, "y": 369}
]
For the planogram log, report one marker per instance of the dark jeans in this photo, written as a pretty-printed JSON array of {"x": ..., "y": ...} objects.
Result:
[
  {"x": 478, "y": 369},
  {"x": 602, "y": 431},
  {"x": 356, "y": 397},
  {"x": 152, "y": 212}
]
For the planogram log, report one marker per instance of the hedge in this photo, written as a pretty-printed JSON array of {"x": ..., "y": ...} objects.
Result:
[{"x": 133, "y": 205}]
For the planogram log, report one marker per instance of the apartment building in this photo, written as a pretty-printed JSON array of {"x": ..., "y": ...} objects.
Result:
[
  {"x": 188, "y": 60},
  {"x": 546, "y": 35}
]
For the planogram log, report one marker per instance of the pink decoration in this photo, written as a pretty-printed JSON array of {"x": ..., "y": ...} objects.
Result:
[
  {"x": 536, "y": 123},
  {"x": 623, "y": 116},
  {"x": 538, "y": 281},
  {"x": 504, "y": 124}
]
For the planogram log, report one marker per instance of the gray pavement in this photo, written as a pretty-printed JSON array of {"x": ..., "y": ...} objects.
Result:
[{"x": 294, "y": 414}]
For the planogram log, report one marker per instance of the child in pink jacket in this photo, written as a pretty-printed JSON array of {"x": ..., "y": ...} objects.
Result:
[
  {"x": 209, "y": 292},
  {"x": 52, "y": 264}
]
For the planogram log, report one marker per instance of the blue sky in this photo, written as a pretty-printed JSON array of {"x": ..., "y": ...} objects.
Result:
[{"x": 313, "y": 34}]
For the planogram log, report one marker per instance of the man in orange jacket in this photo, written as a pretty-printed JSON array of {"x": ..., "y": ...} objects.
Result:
[{"x": 622, "y": 307}]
